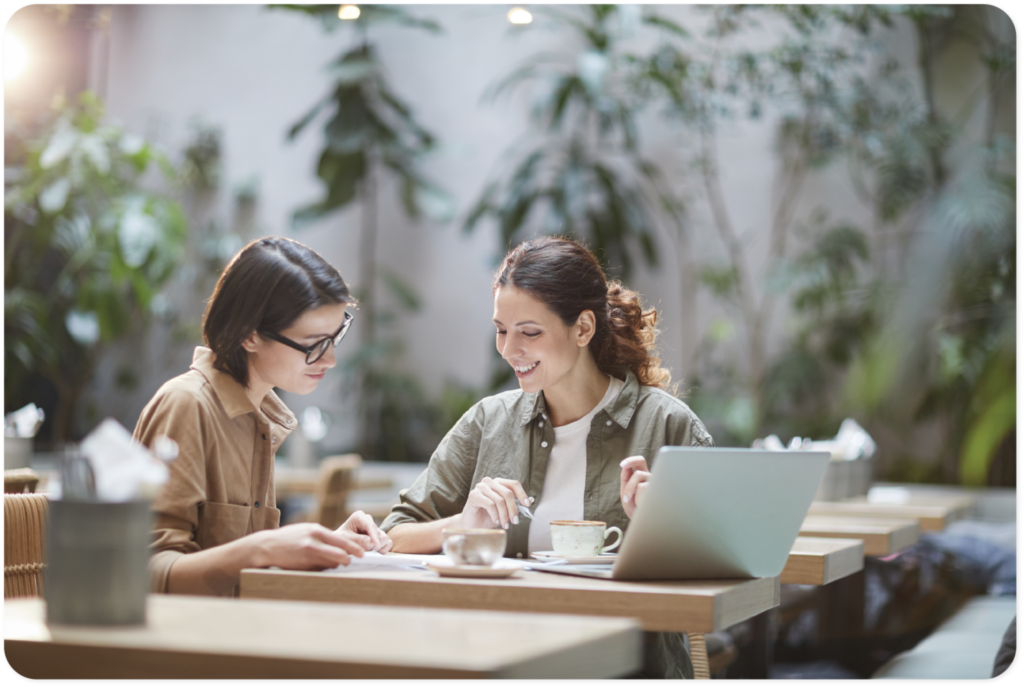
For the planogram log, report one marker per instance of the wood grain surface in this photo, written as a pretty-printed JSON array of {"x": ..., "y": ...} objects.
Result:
[
  {"x": 201, "y": 637},
  {"x": 931, "y": 514},
  {"x": 881, "y": 536},
  {"x": 821, "y": 561},
  {"x": 691, "y": 606}
]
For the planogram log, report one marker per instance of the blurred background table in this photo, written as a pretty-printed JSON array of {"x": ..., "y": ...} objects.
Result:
[
  {"x": 374, "y": 488},
  {"x": 820, "y": 561},
  {"x": 881, "y": 536},
  {"x": 933, "y": 512},
  {"x": 210, "y": 638}
]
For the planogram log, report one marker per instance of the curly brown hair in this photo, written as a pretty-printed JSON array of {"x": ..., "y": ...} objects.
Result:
[{"x": 567, "y": 278}]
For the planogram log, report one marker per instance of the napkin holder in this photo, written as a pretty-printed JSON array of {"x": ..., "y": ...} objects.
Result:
[
  {"x": 17, "y": 452},
  {"x": 97, "y": 562}
]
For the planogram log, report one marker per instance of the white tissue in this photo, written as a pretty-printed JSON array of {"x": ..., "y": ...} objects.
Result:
[
  {"x": 770, "y": 442},
  {"x": 851, "y": 443},
  {"x": 856, "y": 442},
  {"x": 24, "y": 422},
  {"x": 124, "y": 469}
]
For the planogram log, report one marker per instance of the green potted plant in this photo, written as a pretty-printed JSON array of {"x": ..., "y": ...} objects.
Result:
[{"x": 87, "y": 247}]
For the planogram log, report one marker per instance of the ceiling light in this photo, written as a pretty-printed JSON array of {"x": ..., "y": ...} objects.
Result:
[
  {"x": 15, "y": 57},
  {"x": 348, "y": 12},
  {"x": 517, "y": 15}
]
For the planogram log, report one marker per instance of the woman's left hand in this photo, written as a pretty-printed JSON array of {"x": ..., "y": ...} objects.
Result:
[
  {"x": 632, "y": 482},
  {"x": 361, "y": 523}
]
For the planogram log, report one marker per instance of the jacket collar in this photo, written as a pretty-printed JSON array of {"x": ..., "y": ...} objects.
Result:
[
  {"x": 231, "y": 394},
  {"x": 620, "y": 409}
]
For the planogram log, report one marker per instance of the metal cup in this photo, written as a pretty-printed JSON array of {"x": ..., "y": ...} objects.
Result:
[{"x": 97, "y": 556}]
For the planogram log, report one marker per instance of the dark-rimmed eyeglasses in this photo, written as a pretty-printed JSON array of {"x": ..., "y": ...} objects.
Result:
[{"x": 317, "y": 350}]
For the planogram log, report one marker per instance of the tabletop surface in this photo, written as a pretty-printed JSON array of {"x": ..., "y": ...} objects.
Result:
[
  {"x": 690, "y": 606},
  {"x": 821, "y": 561},
  {"x": 881, "y": 536},
  {"x": 327, "y": 640},
  {"x": 932, "y": 512}
]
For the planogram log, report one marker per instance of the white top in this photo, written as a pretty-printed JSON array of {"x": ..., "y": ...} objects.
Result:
[{"x": 566, "y": 478}]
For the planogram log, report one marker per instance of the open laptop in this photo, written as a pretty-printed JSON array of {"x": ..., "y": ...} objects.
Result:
[{"x": 715, "y": 513}]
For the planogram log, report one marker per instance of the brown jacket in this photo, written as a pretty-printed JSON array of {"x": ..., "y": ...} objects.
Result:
[{"x": 221, "y": 485}]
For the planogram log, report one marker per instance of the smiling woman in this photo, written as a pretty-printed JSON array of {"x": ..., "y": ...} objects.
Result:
[
  {"x": 573, "y": 442},
  {"x": 276, "y": 314}
]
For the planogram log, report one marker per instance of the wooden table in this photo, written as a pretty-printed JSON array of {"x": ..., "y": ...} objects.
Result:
[
  {"x": 932, "y": 512},
  {"x": 812, "y": 561},
  {"x": 691, "y": 606},
  {"x": 821, "y": 561},
  {"x": 375, "y": 490},
  {"x": 881, "y": 536},
  {"x": 372, "y": 476},
  {"x": 216, "y": 638},
  {"x": 288, "y": 480}
]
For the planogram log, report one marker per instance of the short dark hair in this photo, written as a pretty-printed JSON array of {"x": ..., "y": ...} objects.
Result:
[
  {"x": 268, "y": 285},
  {"x": 568, "y": 279}
]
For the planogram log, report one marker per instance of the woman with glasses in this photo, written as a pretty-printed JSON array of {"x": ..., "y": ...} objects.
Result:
[{"x": 275, "y": 316}]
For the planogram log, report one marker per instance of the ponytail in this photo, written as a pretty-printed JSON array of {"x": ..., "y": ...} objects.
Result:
[
  {"x": 567, "y": 278},
  {"x": 629, "y": 339}
]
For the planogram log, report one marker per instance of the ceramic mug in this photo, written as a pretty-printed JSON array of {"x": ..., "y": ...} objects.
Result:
[
  {"x": 473, "y": 546},
  {"x": 574, "y": 538}
]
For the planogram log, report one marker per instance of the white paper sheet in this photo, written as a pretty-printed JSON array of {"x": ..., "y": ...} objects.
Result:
[{"x": 373, "y": 561}]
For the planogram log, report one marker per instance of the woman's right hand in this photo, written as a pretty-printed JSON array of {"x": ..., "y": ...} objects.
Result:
[
  {"x": 492, "y": 503},
  {"x": 308, "y": 546}
]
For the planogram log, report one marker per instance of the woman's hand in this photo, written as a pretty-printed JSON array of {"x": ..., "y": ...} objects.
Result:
[
  {"x": 361, "y": 523},
  {"x": 492, "y": 503},
  {"x": 632, "y": 482},
  {"x": 307, "y": 546}
]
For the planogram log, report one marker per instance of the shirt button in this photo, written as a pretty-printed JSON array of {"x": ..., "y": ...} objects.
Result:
[
  {"x": 541, "y": 424},
  {"x": 519, "y": 555},
  {"x": 257, "y": 504},
  {"x": 543, "y": 444},
  {"x": 264, "y": 437},
  {"x": 609, "y": 423}
]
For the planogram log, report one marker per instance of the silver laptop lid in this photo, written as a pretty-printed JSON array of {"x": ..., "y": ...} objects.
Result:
[{"x": 719, "y": 513}]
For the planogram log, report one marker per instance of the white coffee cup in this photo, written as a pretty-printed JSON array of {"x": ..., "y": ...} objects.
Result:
[{"x": 576, "y": 538}]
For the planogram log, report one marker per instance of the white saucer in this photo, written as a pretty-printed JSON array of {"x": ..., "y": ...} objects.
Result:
[
  {"x": 472, "y": 571},
  {"x": 549, "y": 556}
]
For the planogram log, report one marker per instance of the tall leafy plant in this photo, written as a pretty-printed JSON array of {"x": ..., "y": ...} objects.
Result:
[
  {"x": 946, "y": 352},
  {"x": 581, "y": 171},
  {"x": 370, "y": 133},
  {"x": 87, "y": 247},
  {"x": 902, "y": 319}
]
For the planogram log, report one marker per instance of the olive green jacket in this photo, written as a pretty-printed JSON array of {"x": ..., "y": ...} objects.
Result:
[{"x": 509, "y": 436}]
